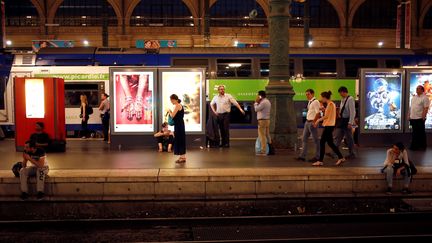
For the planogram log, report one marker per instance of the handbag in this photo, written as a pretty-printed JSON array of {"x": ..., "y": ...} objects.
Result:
[{"x": 170, "y": 120}]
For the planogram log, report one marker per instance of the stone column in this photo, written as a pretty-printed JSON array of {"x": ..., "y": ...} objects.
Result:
[{"x": 283, "y": 127}]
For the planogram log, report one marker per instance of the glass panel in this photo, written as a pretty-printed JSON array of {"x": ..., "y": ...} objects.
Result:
[
  {"x": 376, "y": 14},
  {"x": 85, "y": 13},
  {"x": 393, "y": 63},
  {"x": 161, "y": 13},
  {"x": 319, "y": 68},
  {"x": 238, "y": 13},
  {"x": 74, "y": 90},
  {"x": 234, "y": 67},
  {"x": 352, "y": 66}
]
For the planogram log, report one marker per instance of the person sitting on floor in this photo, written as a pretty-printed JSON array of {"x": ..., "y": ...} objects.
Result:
[
  {"x": 396, "y": 164},
  {"x": 165, "y": 139},
  {"x": 40, "y": 137}
]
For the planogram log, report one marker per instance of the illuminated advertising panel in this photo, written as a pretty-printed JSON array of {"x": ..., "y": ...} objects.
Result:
[
  {"x": 188, "y": 86},
  {"x": 35, "y": 98},
  {"x": 133, "y": 100},
  {"x": 382, "y": 101},
  {"x": 423, "y": 78}
]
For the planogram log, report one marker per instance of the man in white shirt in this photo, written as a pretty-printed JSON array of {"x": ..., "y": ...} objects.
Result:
[
  {"x": 418, "y": 111},
  {"x": 104, "y": 109},
  {"x": 221, "y": 107},
  {"x": 262, "y": 108},
  {"x": 313, "y": 114}
]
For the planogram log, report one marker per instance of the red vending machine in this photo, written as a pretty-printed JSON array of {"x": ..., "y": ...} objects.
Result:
[{"x": 39, "y": 100}]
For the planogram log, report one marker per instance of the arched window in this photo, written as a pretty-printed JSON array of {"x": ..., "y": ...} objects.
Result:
[
  {"x": 322, "y": 14},
  {"x": 376, "y": 14},
  {"x": 427, "y": 22},
  {"x": 161, "y": 13},
  {"x": 21, "y": 13},
  {"x": 85, "y": 13},
  {"x": 238, "y": 13}
]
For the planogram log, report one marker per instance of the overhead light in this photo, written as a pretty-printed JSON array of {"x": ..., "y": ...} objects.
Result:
[
  {"x": 234, "y": 65},
  {"x": 310, "y": 43},
  {"x": 236, "y": 43},
  {"x": 380, "y": 44},
  {"x": 191, "y": 17},
  {"x": 28, "y": 17},
  {"x": 137, "y": 17},
  {"x": 84, "y": 24},
  {"x": 227, "y": 67},
  {"x": 298, "y": 17},
  {"x": 86, "y": 42},
  {"x": 156, "y": 24},
  {"x": 83, "y": 17},
  {"x": 191, "y": 24},
  {"x": 9, "y": 42},
  {"x": 246, "y": 17}
]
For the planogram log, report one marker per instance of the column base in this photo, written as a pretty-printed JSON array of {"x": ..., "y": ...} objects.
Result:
[{"x": 283, "y": 125}]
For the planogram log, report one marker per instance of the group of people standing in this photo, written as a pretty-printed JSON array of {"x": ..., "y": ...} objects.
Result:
[
  {"x": 334, "y": 120},
  {"x": 86, "y": 110}
]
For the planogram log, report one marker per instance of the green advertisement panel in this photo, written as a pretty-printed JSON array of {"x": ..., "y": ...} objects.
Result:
[{"x": 246, "y": 89}]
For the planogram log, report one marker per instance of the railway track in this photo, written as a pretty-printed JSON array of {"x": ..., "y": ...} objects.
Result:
[{"x": 319, "y": 228}]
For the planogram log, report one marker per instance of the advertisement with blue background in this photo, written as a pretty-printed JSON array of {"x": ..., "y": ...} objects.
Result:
[{"x": 383, "y": 101}]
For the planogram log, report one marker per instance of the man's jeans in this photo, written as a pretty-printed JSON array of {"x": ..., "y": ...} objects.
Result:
[
  {"x": 340, "y": 133},
  {"x": 308, "y": 130},
  {"x": 40, "y": 174},
  {"x": 390, "y": 172}
]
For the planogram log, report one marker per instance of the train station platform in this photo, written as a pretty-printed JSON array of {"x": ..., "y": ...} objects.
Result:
[{"x": 89, "y": 170}]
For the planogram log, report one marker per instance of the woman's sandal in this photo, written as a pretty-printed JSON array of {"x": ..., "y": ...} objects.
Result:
[
  {"x": 340, "y": 161},
  {"x": 318, "y": 163}
]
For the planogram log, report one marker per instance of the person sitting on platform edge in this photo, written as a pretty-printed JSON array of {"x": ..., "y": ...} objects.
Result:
[
  {"x": 396, "y": 164},
  {"x": 40, "y": 137},
  {"x": 37, "y": 157},
  {"x": 165, "y": 139}
]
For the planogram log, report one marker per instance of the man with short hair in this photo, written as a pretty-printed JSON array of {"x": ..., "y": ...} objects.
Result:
[
  {"x": 345, "y": 121},
  {"x": 262, "y": 108},
  {"x": 313, "y": 114},
  {"x": 39, "y": 168},
  {"x": 40, "y": 137},
  {"x": 418, "y": 111},
  {"x": 221, "y": 107}
]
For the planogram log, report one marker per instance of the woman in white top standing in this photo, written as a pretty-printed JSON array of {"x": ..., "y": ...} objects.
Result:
[{"x": 396, "y": 164}]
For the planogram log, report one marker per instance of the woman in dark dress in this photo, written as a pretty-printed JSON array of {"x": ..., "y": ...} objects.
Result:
[{"x": 179, "y": 129}]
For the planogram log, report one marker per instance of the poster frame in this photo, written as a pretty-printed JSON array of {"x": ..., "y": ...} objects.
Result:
[
  {"x": 160, "y": 114},
  {"x": 363, "y": 100},
  {"x": 112, "y": 70},
  {"x": 409, "y": 71}
]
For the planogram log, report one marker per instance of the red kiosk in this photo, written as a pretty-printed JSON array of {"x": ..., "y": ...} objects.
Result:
[{"x": 39, "y": 100}]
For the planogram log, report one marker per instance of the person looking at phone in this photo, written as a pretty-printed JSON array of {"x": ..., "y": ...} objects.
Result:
[{"x": 262, "y": 108}]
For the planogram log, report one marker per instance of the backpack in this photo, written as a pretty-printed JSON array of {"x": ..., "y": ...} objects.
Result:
[
  {"x": 16, "y": 168},
  {"x": 412, "y": 168},
  {"x": 89, "y": 109}
]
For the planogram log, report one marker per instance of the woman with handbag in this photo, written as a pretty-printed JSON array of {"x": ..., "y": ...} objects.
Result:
[
  {"x": 179, "y": 128},
  {"x": 329, "y": 121}
]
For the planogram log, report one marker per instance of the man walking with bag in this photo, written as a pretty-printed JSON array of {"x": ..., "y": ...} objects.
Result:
[{"x": 345, "y": 121}]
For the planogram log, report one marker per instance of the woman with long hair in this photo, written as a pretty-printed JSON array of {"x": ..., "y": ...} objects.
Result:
[
  {"x": 179, "y": 128},
  {"x": 329, "y": 121},
  {"x": 84, "y": 116}
]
